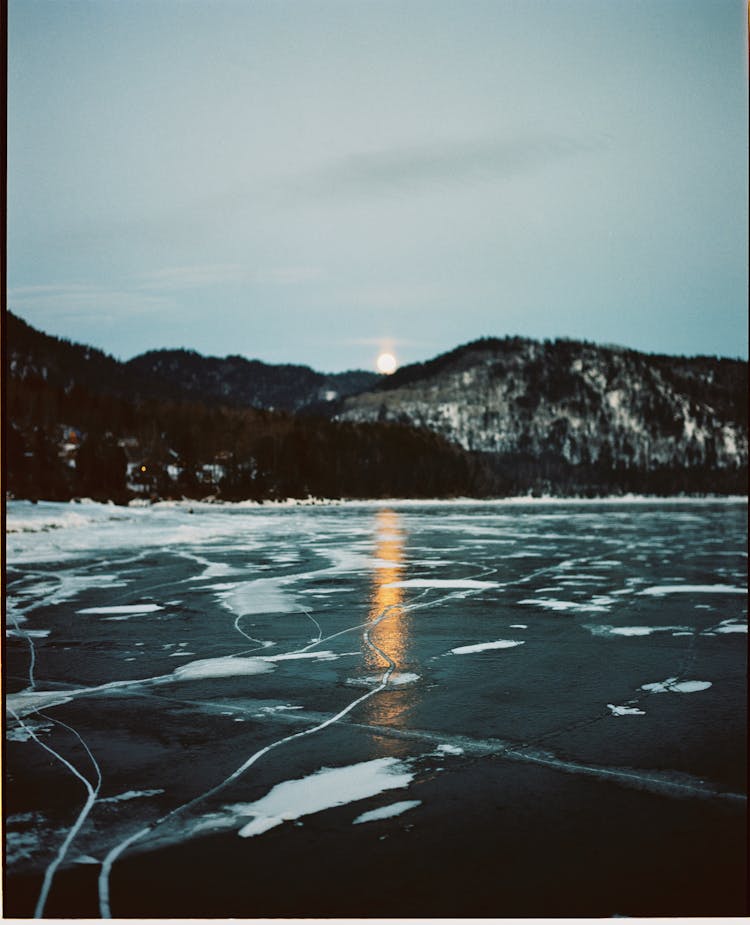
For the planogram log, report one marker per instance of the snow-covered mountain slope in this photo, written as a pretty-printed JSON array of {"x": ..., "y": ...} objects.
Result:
[{"x": 572, "y": 400}]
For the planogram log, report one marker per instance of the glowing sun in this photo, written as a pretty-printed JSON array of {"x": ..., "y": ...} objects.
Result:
[{"x": 386, "y": 363}]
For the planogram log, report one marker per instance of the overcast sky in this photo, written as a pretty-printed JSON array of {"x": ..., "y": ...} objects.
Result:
[{"x": 315, "y": 181}]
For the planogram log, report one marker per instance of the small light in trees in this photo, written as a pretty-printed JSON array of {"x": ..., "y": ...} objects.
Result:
[{"x": 143, "y": 468}]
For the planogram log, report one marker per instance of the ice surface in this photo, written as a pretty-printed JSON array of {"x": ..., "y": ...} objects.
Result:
[
  {"x": 449, "y": 750},
  {"x": 659, "y": 590},
  {"x": 552, "y": 604},
  {"x": 397, "y": 679},
  {"x": 30, "y": 701},
  {"x": 483, "y": 646},
  {"x": 130, "y": 795},
  {"x": 730, "y": 626},
  {"x": 605, "y": 630},
  {"x": 124, "y": 609},
  {"x": 672, "y": 685},
  {"x": 625, "y": 711},
  {"x": 324, "y": 789},
  {"x": 441, "y": 583},
  {"x": 263, "y": 595},
  {"x": 387, "y": 812},
  {"x": 325, "y": 655},
  {"x": 222, "y": 667},
  {"x": 24, "y": 634},
  {"x": 24, "y": 733}
]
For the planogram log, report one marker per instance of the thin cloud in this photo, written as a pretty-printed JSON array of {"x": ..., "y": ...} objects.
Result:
[
  {"x": 192, "y": 277},
  {"x": 289, "y": 276},
  {"x": 79, "y": 301},
  {"x": 414, "y": 168}
]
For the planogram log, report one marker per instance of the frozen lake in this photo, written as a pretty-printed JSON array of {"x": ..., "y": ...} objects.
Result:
[{"x": 399, "y": 709}]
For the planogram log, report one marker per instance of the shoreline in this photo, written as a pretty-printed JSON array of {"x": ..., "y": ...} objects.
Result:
[{"x": 515, "y": 501}]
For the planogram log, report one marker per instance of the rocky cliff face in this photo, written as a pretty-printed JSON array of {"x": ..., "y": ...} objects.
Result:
[{"x": 574, "y": 401}]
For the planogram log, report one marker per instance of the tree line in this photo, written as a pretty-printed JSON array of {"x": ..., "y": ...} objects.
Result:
[{"x": 264, "y": 455}]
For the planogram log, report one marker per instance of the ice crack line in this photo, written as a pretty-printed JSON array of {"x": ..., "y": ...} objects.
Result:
[
  {"x": 92, "y": 791},
  {"x": 114, "y": 854}
]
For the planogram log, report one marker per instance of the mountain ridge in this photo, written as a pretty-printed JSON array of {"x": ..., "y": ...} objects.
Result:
[
  {"x": 175, "y": 373},
  {"x": 489, "y": 418},
  {"x": 577, "y": 399}
]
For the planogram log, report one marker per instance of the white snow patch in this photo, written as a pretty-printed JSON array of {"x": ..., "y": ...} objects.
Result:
[
  {"x": 263, "y": 595},
  {"x": 387, "y": 812},
  {"x": 223, "y": 667},
  {"x": 124, "y": 609},
  {"x": 324, "y": 789},
  {"x": 660, "y": 590},
  {"x": 397, "y": 679},
  {"x": 24, "y": 634},
  {"x": 442, "y": 583},
  {"x": 604, "y": 630},
  {"x": 483, "y": 646},
  {"x": 24, "y": 733},
  {"x": 30, "y": 701},
  {"x": 130, "y": 795},
  {"x": 322, "y": 591},
  {"x": 549, "y": 603},
  {"x": 278, "y": 708},
  {"x": 625, "y": 711},
  {"x": 400, "y": 678},
  {"x": 729, "y": 626},
  {"x": 449, "y": 750},
  {"x": 325, "y": 655},
  {"x": 672, "y": 685}
]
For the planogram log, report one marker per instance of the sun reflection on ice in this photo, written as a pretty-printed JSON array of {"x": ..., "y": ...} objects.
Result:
[{"x": 391, "y": 634}]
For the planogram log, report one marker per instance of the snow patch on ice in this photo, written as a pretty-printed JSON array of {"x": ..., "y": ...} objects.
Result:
[
  {"x": 325, "y": 656},
  {"x": 625, "y": 711},
  {"x": 442, "y": 583},
  {"x": 483, "y": 646},
  {"x": 263, "y": 595},
  {"x": 277, "y": 708},
  {"x": 124, "y": 609},
  {"x": 672, "y": 685},
  {"x": 130, "y": 795},
  {"x": 387, "y": 812},
  {"x": 223, "y": 667},
  {"x": 605, "y": 630},
  {"x": 549, "y": 603},
  {"x": 660, "y": 590},
  {"x": 730, "y": 626},
  {"x": 449, "y": 750},
  {"x": 397, "y": 679},
  {"x": 324, "y": 789},
  {"x": 24, "y": 733},
  {"x": 25, "y": 634},
  {"x": 30, "y": 701}
]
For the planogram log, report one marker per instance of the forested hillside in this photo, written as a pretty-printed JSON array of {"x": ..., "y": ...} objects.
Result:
[
  {"x": 491, "y": 418},
  {"x": 564, "y": 407}
]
